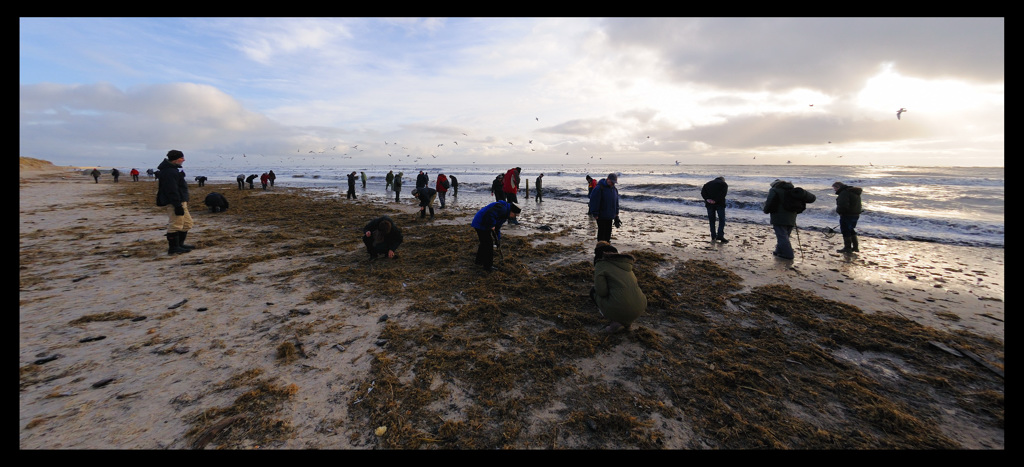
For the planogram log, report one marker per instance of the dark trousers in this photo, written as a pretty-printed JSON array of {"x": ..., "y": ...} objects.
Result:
[
  {"x": 512, "y": 198},
  {"x": 241, "y": 184},
  {"x": 485, "y": 252},
  {"x": 847, "y": 224},
  {"x": 717, "y": 211},
  {"x": 351, "y": 193},
  {"x": 604, "y": 230},
  {"x": 398, "y": 193},
  {"x": 381, "y": 249}
]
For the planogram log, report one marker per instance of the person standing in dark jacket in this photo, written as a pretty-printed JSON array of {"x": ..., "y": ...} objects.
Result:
[
  {"x": 172, "y": 191},
  {"x": 783, "y": 221},
  {"x": 115, "y": 173},
  {"x": 849, "y": 208},
  {"x": 388, "y": 180},
  {"x": 426, "y": 196},
  {"x": 487, "y": 222},
  {"x": 382, "y": 237},
  {"x": 95, "y": 174},
  {"x": 422, "y": 179},
  {"x": 351, "y": 186},
  {"x": 604, "y": 206},
  {"x": 496, "y": 190},
  {"x": 396, "y": 184},
  {"x": 537, "y": 199},
  {"x": 271, "y": 176},
  {"x": 713, "y": 194},
  {"x": 455, "y": 186}
]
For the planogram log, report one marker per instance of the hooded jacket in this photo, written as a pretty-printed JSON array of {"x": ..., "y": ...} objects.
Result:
[
  {"x": 172, "y": 188},
  {"x": 496, "y": 188},
  {"x": 604, "y": 201},
  {"x": 616, "y": 290},
  {"x": 392, "y": 239},
  {"x": 510, "y": 182},
  {"x": 440, "y": 183},
  {"x": 492, "y": 215},
  {"x": 775, "y": 194},
  {"x": 848, "y": 201}
]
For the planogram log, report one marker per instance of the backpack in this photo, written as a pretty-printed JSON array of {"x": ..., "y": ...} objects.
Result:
[
  {"x": 796, "y": 199},
  {"x": 445, "y": 184}
]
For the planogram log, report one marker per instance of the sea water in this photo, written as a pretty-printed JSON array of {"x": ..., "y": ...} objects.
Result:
[{"x": 954, "y": 205}]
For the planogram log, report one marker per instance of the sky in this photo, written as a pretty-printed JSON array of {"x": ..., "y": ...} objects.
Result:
[{"x": 121, "y": 92}]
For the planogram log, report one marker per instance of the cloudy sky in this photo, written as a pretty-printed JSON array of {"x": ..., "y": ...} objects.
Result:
[{"x": 313, "y": 91}]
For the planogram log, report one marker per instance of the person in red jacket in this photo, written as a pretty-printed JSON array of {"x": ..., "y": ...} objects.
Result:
[
  {"x": 510, "y": 186},
  {"x": 264, "y": 180},
  {"x": 442, "y": 187},
  {"x": 135, "y": 175}
]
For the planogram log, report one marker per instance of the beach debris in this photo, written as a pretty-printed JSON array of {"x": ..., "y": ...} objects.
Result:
[
  {"x": 381, "y": 342},
  {"x": 202, "y": 308},
  {"x": 94, "y": 338},
  {"x": 341, "y": 348},
  {"x": 302, "y": 311},
  {"x": 380, "y": 430},
  {"x": 103, "y": 382},
  {"x": 209, "y": 433},
  {"x": 79, "y": 278},
  {"x": 973, "y": 356},
  {"x": 945, "y": 348},
  {"x": 382, "y": 319},
  {"x": 176, "y": 305},
  {"x": 138, "y": 318},
  {"x": 46, "y": 359}
]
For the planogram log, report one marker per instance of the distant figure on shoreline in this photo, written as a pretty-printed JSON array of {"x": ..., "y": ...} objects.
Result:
[
  {"x": 271, "y": 176},
  {"x": 264, "y": 180},
  {"x": 382, "y": 237},
  {"x": 135, "y": 174},
  {"x": 201, "y": 179},
  {"x": 397, "y": 186},
  {"x": 442, "y": 188},
  {"x": 604, "y": 206},
  {"x": 537, "y": 199},
  {"x": 241, "y": 181},
  {"x": 455, "y": 186},
  {"x": 151, "y": 173},
  {"x": 95, "y": 174},
  {"x": 351, "y": 194},
  {"x": 848, "y": 207},
  {"x": 496, "y": 188},
  {"x": 714, "y": 193},
  {"x": 115, "y": 173},
  {"x": 388, "y": 180},
  {"x": 250, "y": 179},
  {"x": 362, "y": 176}
]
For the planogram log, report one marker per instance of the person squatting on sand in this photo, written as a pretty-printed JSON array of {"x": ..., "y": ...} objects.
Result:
[
  {"x": 172, "y": 191},
  {"x": 216, "y": 202},
  {"x": 714, "y": 193},
  {"x": 783, "y": 220},
  {"x": 382, "y": 237},
  {"x": 616, "y": 291},
  {"x": 487, "y": 222},
  {"x": 426, "y": 196},
  {"x": 849, "y": 208},
  {"x": 604, "y": 206}
]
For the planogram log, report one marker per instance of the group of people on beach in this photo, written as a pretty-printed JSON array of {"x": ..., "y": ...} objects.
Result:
[
  {"x": 95, "y": 173},
  {"x": 615, "y": 291},
  {"x": 266, "y": 179}
]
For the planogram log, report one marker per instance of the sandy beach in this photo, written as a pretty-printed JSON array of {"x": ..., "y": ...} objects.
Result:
[{"x": 278, "y": 333}]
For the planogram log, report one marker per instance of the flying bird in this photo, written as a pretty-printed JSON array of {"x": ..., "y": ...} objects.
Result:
[
  {"x": 898, "y": 112},
  {"x": 537, "y": 118}
]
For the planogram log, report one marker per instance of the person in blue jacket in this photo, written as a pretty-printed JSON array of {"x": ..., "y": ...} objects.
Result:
[
  {"x": 487, "y": 220},
  {"x": 604, "y": 206}
]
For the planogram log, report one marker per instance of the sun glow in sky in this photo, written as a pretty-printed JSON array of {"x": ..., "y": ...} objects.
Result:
[{"x": 122, "y": 91}]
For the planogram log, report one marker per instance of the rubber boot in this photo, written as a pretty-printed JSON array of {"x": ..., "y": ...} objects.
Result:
[
  {"x": 846, "y": 245},
  {"x": 431, "y": 212},
  {"x": 854, "y": 246},
  {"x": 172, "y": 244},
  {"x": 423, "y": 213},
  {"x": 181, "y": 242}
]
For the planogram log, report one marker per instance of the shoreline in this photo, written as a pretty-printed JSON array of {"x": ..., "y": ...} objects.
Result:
[{"x": 88, "y": 250}]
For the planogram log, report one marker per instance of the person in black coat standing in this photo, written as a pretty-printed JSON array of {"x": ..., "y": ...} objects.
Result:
[
  {"x": 713, "y": 194},
  {"x": 172, "y": 191},
  {"x": 351, "y": 186}
]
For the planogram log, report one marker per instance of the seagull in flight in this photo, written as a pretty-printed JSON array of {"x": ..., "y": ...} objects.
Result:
[{"x": 898, "y": 112}]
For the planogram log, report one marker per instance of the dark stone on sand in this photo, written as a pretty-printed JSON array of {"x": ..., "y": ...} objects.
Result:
[
  {"x": 138, "y": 318},
  {"x": 382, "y": 319},
  {"x": 102, "y": 382},
  {"x": 176, "y": 305},
  {"x": 202, "y": 308},
  {"x": 94, "y": 338},
  {"x": 45, "y": 359}
]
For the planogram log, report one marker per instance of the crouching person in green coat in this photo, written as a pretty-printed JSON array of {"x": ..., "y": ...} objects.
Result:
[{"x": 616, "y": 291}]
